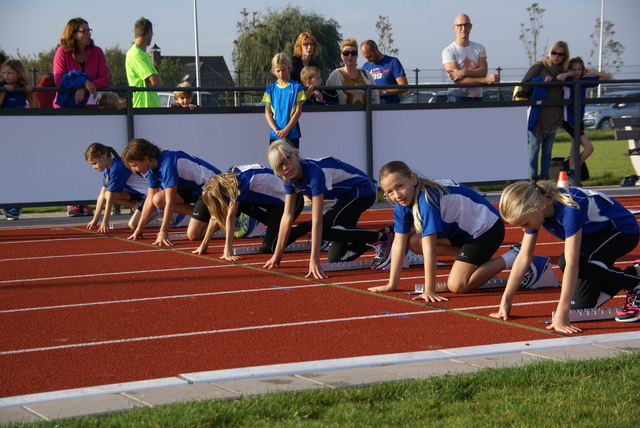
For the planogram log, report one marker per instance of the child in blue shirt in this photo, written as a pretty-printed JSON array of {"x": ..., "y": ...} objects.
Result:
[
  {"x": 320, "y": 179},
  {"x": 255, "y": 191},
  {"x": 596, "y": 231},
  {"x": 283, "y": 102},
  {"x": 119, "y": 186},
  {"x": 175, "y": 181},
  {"x": 449, "y": 219},
  {"x": 578, "y": 71}
]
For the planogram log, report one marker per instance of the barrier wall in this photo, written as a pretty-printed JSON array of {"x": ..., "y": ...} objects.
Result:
[{"x": 42, "y": 156}]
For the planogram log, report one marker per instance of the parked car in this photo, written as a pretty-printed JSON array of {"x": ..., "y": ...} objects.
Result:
[
  {"x": 596, "y": 116},
  {"x": 424, "y": 97},
  {"x": 207, "y": 99},
  {"x": 497, "y": 94}
]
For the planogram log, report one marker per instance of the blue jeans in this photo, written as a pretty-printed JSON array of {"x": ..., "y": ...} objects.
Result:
[{"x": 535, "y": 145}]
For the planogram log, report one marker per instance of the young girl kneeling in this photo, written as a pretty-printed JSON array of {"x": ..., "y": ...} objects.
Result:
[
  {"x": 450, "y": 219},
  {"x": 596, "y": 231}
]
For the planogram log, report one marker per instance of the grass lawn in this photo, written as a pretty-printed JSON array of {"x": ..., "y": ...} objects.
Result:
[{"x": 590, "y": 393}]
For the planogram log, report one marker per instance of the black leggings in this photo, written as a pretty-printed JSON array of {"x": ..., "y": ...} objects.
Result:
[
  {"x": 271, "y": 215},
  {"x": 598, "y": 278}
]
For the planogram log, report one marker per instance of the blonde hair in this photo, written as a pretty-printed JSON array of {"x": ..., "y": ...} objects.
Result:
[
  {"x": 348, "y": 42},
  {"x": 278, "y": 151},
  {"x": 308, "y": 73},
  {"x": 218, "y": 194},
  {"x": 401, "y": 169},
  {"x": 564, "y": 65},
  {"x": 280, "y": 60},
  {"x": 519, "y": 199},
  {"x": 183, "y": 93},
  {"x": 111, "y": 100}
]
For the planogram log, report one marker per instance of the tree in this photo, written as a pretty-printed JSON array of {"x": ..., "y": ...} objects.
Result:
[
  {"x": 37, "y": 65},
  {"x": 611, "y": 50},
  {"x": 385, "y": 36},
  {"x": 260, "y": 37},
  {"x": 115, "y": 62},
  {"x": 530, "y": 35}
]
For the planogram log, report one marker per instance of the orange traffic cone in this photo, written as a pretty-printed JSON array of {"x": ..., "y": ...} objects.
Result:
[{"x": 563, "y": 180}]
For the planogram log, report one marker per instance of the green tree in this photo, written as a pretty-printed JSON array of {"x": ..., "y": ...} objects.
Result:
[
  {"x": 385, "y": 36},
  {"x": 530, "y": 35},
  {"x": 169, "y": 71},
  {"x": 611, "y": 50},
  {"x": 37, "y": 65},
  {"x": 261, "y": 36},
  {"x": 115, "y": 57}
]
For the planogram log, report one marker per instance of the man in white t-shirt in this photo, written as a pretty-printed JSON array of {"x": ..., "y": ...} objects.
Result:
[{"x": 466, "y": 62}]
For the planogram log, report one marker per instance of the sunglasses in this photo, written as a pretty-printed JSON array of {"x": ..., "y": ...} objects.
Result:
[
  {"x": 352, "y": 53},
  {"x": 557, "y": 53}
]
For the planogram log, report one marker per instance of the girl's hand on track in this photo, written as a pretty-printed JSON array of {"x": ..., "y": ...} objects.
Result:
[{"x": 430, "y": 297}]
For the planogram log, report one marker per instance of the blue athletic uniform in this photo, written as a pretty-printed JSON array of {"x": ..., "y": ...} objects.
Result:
[
  {"x": 119, "y": 178},
  {"x": 179, "y": 169},
  {"x": 283, "y": 101},
  {"x": 460, "y": 211},
  {"x": 354, "y": 193},
  {"x": 609, "y": 231},
  {"x": 461, "y": 215}
]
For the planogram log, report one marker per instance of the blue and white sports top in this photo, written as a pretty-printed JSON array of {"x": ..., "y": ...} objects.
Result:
[
  {"x": 258, "y": 185},
  {"x": 332, "y": 177},
  {"x": 182, "y": 170},
  {"x": 597, "y": 212},
  {"x": 459, "y": 212},
  {"x": 119, "y": 178}
]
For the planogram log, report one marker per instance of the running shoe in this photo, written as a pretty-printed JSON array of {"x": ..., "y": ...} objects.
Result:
[
  {"x": 74, "y": 211},
  {"x": 177, "y": 219},
  {"x": 630, "y": 312},
  {"x": 244, "y": 225},
  {"x": 382, "y": 248},
  {"x": 115, "y": 209},
  {"x": 12, "y": 213},
  {"x": 86, "y": 210}
]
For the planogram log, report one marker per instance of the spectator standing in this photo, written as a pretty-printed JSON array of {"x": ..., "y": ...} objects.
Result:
[
  {"x": 466, "y": 62},
  {"x": 351, "y": 75},
  {"x": 78, "y": 64},
  {"x": 545, "y": 121},
  {"x": 141, "y": 72},
  {"x": 578, "y": 71},
  {"x": 385, "y": 70},
  {"x": 304, "y": 53},
  {"x": 46, "y": 98},
  {"x": 283, "y": 102}
]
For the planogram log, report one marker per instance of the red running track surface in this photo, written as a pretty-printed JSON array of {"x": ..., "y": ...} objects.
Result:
[{"x": 80, "y": 309}]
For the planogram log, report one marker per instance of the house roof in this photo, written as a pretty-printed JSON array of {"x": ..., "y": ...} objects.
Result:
[{"x": 213, "y": 70}]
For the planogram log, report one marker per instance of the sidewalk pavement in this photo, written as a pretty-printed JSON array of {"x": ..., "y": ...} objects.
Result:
[{"x": 339, "y": 373}]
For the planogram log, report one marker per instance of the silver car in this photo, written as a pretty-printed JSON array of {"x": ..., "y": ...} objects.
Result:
[{"x": 596, "y": 116}]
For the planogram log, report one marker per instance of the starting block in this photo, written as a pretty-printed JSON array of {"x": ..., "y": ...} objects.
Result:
[
  {"x": 593, "y": 314},
  {"x": 338, "y": 266},
  {"x": 256, "y": 250},
  {"x": 539, "y": 275},
  {"x": 411, "y": 259}
]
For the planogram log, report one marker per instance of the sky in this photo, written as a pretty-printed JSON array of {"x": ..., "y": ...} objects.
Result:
[{"x": 421, "y": 28}]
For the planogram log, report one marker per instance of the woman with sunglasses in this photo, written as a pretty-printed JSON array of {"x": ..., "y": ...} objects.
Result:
[
  {"x": 76, "y": 56},
  {"x": 351, "y": 75},
  {"x": 545, "y": 121}
]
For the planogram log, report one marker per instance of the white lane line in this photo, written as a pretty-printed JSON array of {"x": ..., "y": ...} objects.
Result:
[
  {"x": 258, "y": 327},
  {"x": 150, "y": 299},
  {"x": 65, "y": 256}
]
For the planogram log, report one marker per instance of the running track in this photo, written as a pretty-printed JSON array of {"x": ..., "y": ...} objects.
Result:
[{"x": 80, "y": 309}]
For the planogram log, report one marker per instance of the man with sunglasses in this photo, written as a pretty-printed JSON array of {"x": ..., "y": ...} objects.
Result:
[{"x": 466, "y": 62}]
